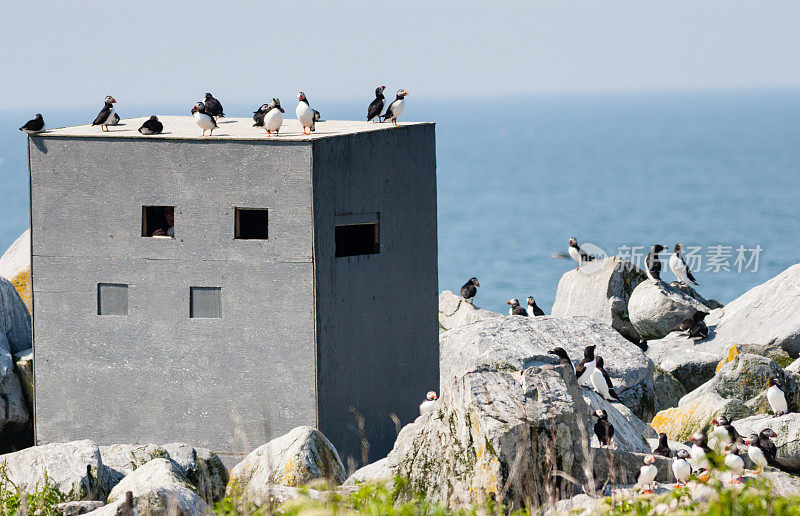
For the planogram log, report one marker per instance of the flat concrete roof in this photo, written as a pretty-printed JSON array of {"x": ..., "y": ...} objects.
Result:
[{"x": 184, "y": 127}]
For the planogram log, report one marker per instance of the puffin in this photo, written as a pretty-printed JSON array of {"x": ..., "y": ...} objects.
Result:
[
  {"x": 469, "y": 289},
  {"x": 681, "y": 467},
  {"x": 305, "y": 114},
  {"x": 114, "y": 120},
  {"x": 34, "y": 126},
  {"x": 663, "y": 448},
  {"x": 647, "y": 474},
  {"x": 213, "y": 107},
  {"x": 602, "y": 382},
  {"x": 775, "y": 397},
  {"x": 258, "y": 115},
  {"x": 766, "y": 444},
  {"x": 653, "y": 263},
  {"x": 700, "y": 450},
  {"x": 585, "y": 367},
  {"x": 533, "y": 309},
  {"x": 105, "y": 114},
  {"x": 694, "y": 326},
  {"x": 273, "y": 119},
  {"x": 756, "y": 453},
  {"x": 602, "y": 428},
  {"x": 396, "y": 108},
  {"x": 563, "y": 358},
  {"x": 578, "y": 254},
  {"x": 427, "y": 405},
  {"x": 376, "y": 106},
  {"x": 515, "y": 308},
  {"x": 724, "y": 430},
  {"x": 734, "y": 462},
  {"x": 205, "y": 121},
  {"x": 679, "y": 267},
  {"x": 151, "y": 126}
]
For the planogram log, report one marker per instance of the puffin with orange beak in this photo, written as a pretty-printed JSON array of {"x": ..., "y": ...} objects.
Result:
[
  {"x": 203, "y": 120},
  {"x": 106, "y": 115},
  {"x": 396, "y": 108}
]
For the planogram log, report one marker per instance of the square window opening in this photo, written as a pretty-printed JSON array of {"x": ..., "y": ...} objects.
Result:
[
  {"x": 357, "y": 239},
  {"x": 251, "y": 224},
  {"x": 205, "y": 302},
  {"x": 112, "y": 299},
  {"x": 158, "y": 221}
]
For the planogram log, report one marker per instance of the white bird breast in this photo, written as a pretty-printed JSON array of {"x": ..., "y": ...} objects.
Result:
[
  {"x": 203, "y": 120},
  {"x": 305, "y": 115},
  {"x": 776, "y": 399},
  {"x": 678, "y": 268},
  {"x": 648, "y": 474},
  {"x": 110, "y": 118},
  {"x": 397, "y": 107},
  {"x": 757, "y": 456},
  {"x": 682, "y": 469},
  {"x": 734, "y": 462},
  {"x": 599, "y": 382},
  {"x": 273, "y": 120}
]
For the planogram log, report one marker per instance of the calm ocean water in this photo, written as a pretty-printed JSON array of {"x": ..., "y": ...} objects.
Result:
[{"x": 518, "y": 177}]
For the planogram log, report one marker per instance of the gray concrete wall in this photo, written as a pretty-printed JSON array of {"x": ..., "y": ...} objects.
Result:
[
  {"x": 156, "y": 375},
  {"x": 376, "y": 314}
]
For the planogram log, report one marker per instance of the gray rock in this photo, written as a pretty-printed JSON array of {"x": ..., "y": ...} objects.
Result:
[
  {"x": 580, "y": 505},
  {"x": 673, "y": 445},
  {"x": 78, "y": 507},
  {"x": 713, "y": 304},
  {"x": 15, "y": 320},
  {"x": 602, "y": 295},
  {"x": 656, "y": 308},
  {"x": 497, "y": 432},
  {"x": 786, "y": 426},
  {"x": 23, "y": 361},
  {"x": 513, "y": 343},
  {"x": 691, "y": 363},
  {"x": 75, "y": 468},
  {"x": 618, "y": 467},
  {"x": 794, "y": 367},
  {"x": 158, "y": 487},
  {"x": 15, "y": 335},
  {"x": 679, "y": 423},
  {"x": 668, "y": 390},
  {"x": 378, "y": 471},
  {"x": 291, "y": 460},
  {"x": 455, "y": 311},
  {"x": 629, "y": 431}
]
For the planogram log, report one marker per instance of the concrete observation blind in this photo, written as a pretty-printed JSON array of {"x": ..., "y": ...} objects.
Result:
[
  {"x": 205, "y": 302},
  {"x": 112, "y": 299},
  {"x": 357, "y": 234}
]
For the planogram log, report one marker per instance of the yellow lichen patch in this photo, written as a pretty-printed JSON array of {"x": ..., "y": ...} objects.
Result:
[
  {"x": 293, "y": 474},
  {"x": 487, "y": 465},
  {"x": 680, "y": 422},
  {"x": 22, "y": 283},
  {"x": 732, "y": 352}
]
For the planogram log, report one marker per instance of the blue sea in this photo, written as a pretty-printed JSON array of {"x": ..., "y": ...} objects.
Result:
[{"x": 716, "y": 170}]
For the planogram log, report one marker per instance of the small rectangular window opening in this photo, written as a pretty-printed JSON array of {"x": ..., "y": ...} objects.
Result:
[
  {"x": 251, "y": 224},
  {"x": 158, "y": 221},
  {"x": 112, "y": 299},
  {"x": 205, "y": 302},
  {"x": 357, "y": 239}
]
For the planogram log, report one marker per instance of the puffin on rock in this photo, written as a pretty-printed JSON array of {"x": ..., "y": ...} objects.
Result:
[
  {"x": 396, "y": 108},
  {"x": 305, "y": 114},
  {"x": 679, "y": 268},
  {"x": 34, "y": 126},
  {"x": 533, "y": 309},
  {"x": 515, "y": 308},
  {"x": 585, "y": 367},
  {"x": 273, "y": 119},
  {"x": 106, "y": 114},
  {"x": 470, "y": 288},
  {"x": 578, "y": 254},
  {"x": 376, "y": 106},
  {"x": 602, "y": 428},
  {"x": 602, "y": 382},
  {"x": 205, "y": 121},
  {"x": 151, "y": 126},
  {"x": 213, "y": 106}
]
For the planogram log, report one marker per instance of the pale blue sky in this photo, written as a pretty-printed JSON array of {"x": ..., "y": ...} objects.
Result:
[{"x": 57, "y": 52}]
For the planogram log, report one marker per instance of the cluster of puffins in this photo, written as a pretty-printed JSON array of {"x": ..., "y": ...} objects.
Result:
[{"x": 269, "y": 115}]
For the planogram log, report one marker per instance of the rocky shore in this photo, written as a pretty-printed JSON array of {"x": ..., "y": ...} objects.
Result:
[{"x": 511, "y": 429}]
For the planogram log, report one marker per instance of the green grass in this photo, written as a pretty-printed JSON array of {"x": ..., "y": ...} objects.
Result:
[{"x": 41, "y": 500}]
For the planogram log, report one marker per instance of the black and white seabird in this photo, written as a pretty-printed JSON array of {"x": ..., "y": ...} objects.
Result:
[
  {"x": 533, "y": 309},
  {"x": 470, "y": 288},
  {"x": 775, "y": 396},
  {"x": 602, "y": 428},
  {"x": 376, "y": 106},
  {"x": 396, "y": 108},
  {"x": 724, "y": 430},
  {"x": 151, "y": 126},
  {"x": 515, "y": 308},
  {"x": 429, "y": 403},
  {"x": 734, "y": 462},
  {"x": 114, "y": 120},
  {"x": 766, "y": 444},
  {"x": 700, "y": 450},
  {"x": 305, "y": 114},
  {"x": 663, "y": 448},
  {"x": 273, "y": 119},
  {"x": 756, "y": 453},
  {"x": 213, "y": 107},
  {"x": 205, "y": 121},
  {"x": 653, "y": 263},
  {"x": 647, "y": 474},
  {"x": 602, "y": 382},
  {"x": 679, "y": 267},
  {"x": 258, "y": 115},
  {"x": 681, "y": 467},
  {"x": 563, "y": 358},
  {"x": 578, "y": 254},
  {"x": 105, "y": 114},
  {"x": 585, "y": 367},
  {"x": 694, "y": 326},
  {"x": 34, "y": 126}
]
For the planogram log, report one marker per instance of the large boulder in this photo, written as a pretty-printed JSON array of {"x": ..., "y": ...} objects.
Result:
[
  {"x": 292, "y": 460},
  {"x": 513, "y": 343},
  {"x": 794, "y": 367},
  {"x": 497, "y": 433},
  {"x": 15, "y": 336},
  {"x": 158, "y": 487},
  {"x": 202, "y": 467},
  {"x": 656, "y": 308},
  {"x": 602, "y": 294},
  {"x": 679, "y": 423},
  {"x": 15, "y": 266},
  {"x": 668, "y": 390},
  {"x": 455, "y": 311},
  {"x": 786, "y": 426},
  {"x": 76, "y": 468},
  {"x": 691, "y": 363}
]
